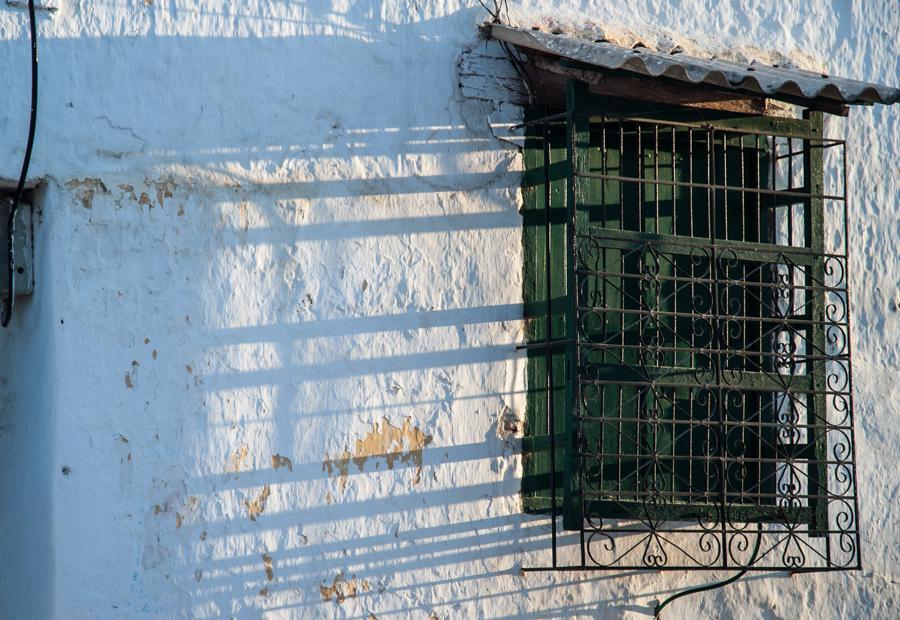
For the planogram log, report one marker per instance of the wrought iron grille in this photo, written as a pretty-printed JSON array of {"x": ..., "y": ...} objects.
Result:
[{"x": 690, "y": 396}]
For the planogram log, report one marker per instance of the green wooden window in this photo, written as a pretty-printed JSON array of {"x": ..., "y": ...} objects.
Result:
[{"x": 676, "y": 285}]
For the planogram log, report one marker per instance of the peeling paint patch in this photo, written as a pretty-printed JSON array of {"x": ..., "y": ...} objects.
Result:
[
  {"x": 507, "y": 424},
  {"x": 163, "y": 190},
  {"x": 340, "y": 465},
  {"x": 267, "y": 563},
  {"x": 238, "y": 457},
  {"x": 341, "y": 588},
  {"x": 128, "y": 189},
  {"x": 384, "y": 441},
  {"x": 158, "y": 190},
  {"x": 86, "y": 189},
  {"x": 264, "y": 592},
  {"x": 282, "y": 461},
  {"x": 128, "y": 382},
  {"x": 178, "y": 520},
  {"x": 258, "y": 505}
]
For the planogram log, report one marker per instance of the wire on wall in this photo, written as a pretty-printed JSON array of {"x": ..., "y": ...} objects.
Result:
[
  {"x": 718, "y": 584},
  {"x": 496, "y": 12},
  {"x": 20, "y": 188}
]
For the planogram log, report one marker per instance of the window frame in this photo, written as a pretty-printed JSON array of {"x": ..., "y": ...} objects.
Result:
[{"x": 550, "y": 203}]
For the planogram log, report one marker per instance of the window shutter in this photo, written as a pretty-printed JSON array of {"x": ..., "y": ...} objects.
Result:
[{"x": 699, "y": 345}]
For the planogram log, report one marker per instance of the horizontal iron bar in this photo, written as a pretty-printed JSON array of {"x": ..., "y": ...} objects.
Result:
[
  {"x": 788, "y": 254},
  {"x": 757, "y": 320},
  {"x": 698, "y": 422},
  {"x": 682, "y": 567},
  {"x": 725, "y": 125},
  {"x": 689, "y": 184},
  {"x": 536, "y": 121},
  {"x": 781, "y": 391},
  {"x": 706, "y": 280},
  {"x": 667, "y": 376},
  {"x": 738, "y": 134},
  {"x": 788, "y": 155},
  {"x": 715, "y": 496},
  {"x": 794, "y": 359},
  {"x": 717, "y": 528},
  {"x": 543, "y": 345}
]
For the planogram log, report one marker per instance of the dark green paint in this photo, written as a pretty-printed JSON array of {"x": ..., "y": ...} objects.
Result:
[{"x": 628, "y": 216}]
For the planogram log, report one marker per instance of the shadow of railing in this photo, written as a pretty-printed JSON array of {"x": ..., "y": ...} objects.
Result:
[{"x": 333, "y": 251}]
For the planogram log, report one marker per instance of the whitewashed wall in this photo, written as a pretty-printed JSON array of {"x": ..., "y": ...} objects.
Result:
[{"x": 272, "y": 232}]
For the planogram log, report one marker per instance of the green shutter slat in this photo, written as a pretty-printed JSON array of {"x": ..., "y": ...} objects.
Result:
[
  {"x": 537, "y": 463},
  {"x": 813, "y": 163}
]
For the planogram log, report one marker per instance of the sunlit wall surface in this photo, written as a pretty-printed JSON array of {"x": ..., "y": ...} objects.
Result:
[{"x": 269, "y": 368}]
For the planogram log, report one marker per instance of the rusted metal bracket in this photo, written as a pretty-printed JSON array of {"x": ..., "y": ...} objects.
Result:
[{"x": 23, "y": 247}]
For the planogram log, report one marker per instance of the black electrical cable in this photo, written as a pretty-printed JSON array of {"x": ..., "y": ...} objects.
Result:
[
  {"x": 718, "y": 584},
  {"x": 26, "y": 161},
  {"x": 496, "y": 14}
]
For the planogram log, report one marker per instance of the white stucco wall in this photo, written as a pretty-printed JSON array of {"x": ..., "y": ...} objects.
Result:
[{"x": 268, "y": 227}]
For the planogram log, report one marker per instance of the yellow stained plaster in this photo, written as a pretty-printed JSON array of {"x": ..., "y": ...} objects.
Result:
[{"x": 384, "y": 441}]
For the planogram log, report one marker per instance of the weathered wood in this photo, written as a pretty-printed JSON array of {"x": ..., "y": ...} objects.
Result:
[{"x": 654, "y": 90}]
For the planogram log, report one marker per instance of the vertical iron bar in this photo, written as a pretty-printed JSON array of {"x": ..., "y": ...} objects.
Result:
[
  {"x": 622, "y": 317},
  {"x": 851, "y": 422},
  {"x": 604, "y": 258},
  {"x": 790, "y": 208},
  {"x": 691, "y": 189},
  {"x": 656, "y": 176},
  {"x": 578, "y": 146},
  {"x": 717, "y": 341},
  {"x": 725, "y": 232},
  {"x": 675, "y": 343},
  {"x": 621, "y": 183},
  {"x": 744, "y": 353},
  {"x": 548, "y": 333},
  {"x": 743, "y": 222},
  {"x": 674, "y": 192},
  {"x": 763, "y": 292},
  {"x": 814, "y": 233},
  {"x": 640, "y": 174}
]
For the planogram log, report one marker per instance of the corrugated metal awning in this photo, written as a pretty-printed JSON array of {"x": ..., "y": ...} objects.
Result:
[{"x": 753, "y": 79}]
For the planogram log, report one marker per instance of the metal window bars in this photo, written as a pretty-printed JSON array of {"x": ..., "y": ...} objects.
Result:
[{"x": 705, "y": 396}]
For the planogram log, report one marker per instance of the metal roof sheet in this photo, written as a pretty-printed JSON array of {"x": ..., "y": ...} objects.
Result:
[{"x": 756, "y": 78}]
